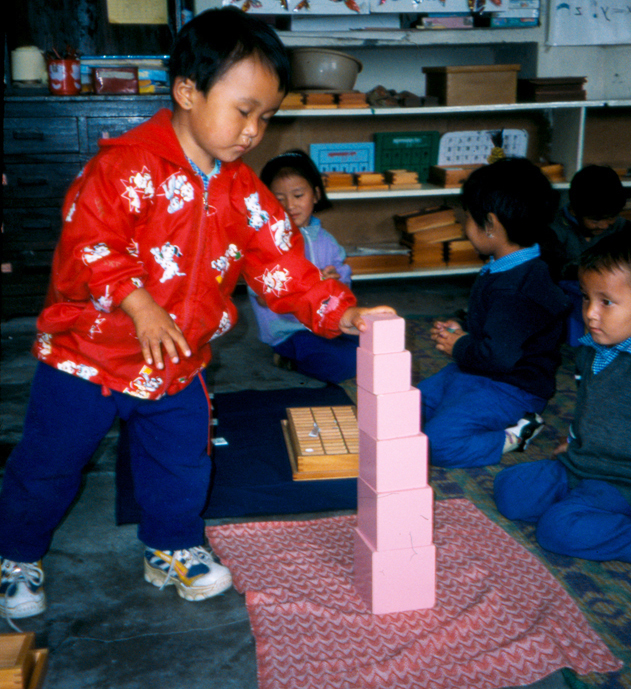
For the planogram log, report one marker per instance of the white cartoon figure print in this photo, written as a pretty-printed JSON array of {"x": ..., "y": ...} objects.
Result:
[
  {"x": 96, "y": 326},
  {"x": 257, "y": 217},
  {"x": 70, "y": 212},
  {"x": 178, "y": 191},
  {"x": 144, "y": 384},
  {"x": 223, "y": 262},
  {"x": 90, "y": 254},
  {"x": 104, "y": 302},
  {"x": 327, "y": 306},
  {"x": 165, "y": 256},
  {"x": 282, "y": 234},
  {"x": 138, "y": 187},
  {"x": 132, "y": 248},
  {"x": 43, "y": 345},
  {"x": 224, "y": 325},
  {"x": 80, "y": 370},
  {"x": 275, "y": 280}
]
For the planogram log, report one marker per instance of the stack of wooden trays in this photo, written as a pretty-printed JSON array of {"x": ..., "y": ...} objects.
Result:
[
  {"x": 402, "y": 179},
  {"x": 22, "y": 665},
  {"x": 426, "y": 232}
]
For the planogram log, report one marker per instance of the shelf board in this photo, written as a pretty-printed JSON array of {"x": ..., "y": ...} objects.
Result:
[
  {"x": 452, "y": 109},
  {"x": 373, "y": 38},
  {"x": 419, "y": 273},
  {"x": 426, "y": 190}
]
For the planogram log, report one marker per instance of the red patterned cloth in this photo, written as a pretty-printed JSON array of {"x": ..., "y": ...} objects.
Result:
[{"x": 500, "y": 618}]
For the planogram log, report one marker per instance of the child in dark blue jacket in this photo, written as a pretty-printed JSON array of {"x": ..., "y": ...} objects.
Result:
[
  {"x": 489, "y": 400},
  {"x": 580, "y": 499}
]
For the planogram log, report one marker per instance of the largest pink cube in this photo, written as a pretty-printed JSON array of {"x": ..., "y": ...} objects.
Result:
[
  {"x": 395, "y": 520},
  {"x": 393, "y": 415},
  {"x": 394, "y": 580},
  {"x": 394, "y": 464},
  {"x": 384, "y": 333}
]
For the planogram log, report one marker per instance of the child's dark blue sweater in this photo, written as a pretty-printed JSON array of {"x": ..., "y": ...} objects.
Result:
[{"x": 514, "y": 328}]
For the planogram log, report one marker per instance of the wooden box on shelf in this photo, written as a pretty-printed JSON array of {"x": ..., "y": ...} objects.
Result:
[
  {"x": 472, "y": 84},
  {"x": 448, "y": 176}
]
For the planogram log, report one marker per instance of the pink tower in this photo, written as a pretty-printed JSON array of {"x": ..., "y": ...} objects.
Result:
[{"x": 394, "y": 551}]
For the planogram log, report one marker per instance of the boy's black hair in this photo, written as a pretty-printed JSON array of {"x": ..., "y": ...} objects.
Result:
[
  {"x": 296, "y": 162},
  {"x": 517, "y": 192},
  {"x": 596, "y": 193},
  {"x": 611, "y": 252},
  {"x": 215, "y": 40}
]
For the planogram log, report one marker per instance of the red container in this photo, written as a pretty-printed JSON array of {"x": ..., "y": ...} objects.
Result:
[{"x": 64, "y": 77}]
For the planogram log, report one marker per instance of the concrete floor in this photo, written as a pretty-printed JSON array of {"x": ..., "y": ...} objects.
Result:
[{"x": 106, "y": 628}]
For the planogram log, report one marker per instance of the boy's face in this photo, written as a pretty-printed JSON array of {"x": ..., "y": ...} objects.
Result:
[
  {"x": 607, "y": 310},
  {"x": 232, "y": 118},
  {"x": 595, "y": 226}
]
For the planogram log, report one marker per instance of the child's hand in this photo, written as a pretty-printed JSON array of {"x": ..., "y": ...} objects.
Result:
[
  {"x": 352, "y": 323},
  {"x": 155, "y": 329},
  {"x": 445, "y": 334},
  {"x": 440, "y": 327},
  {"x": 561, "y": 448},
  {"x": 330, "y": 272}
]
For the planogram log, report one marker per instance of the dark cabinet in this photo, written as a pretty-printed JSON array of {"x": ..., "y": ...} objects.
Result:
[{"x": 47, "y": 140}]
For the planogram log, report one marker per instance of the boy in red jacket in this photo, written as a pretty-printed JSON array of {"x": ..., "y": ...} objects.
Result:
[{"x": 157, "y": 231}]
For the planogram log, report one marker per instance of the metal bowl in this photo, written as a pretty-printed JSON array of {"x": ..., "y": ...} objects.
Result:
[{"x": 318, "y": 68}]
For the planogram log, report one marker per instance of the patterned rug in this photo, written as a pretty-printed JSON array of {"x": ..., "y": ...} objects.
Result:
[
  {"x": 601, "y": 590},
  {"x": 500, "y": 618}
]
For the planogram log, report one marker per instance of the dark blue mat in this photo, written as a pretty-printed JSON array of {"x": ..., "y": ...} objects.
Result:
[{"x": 252, "y": 473}]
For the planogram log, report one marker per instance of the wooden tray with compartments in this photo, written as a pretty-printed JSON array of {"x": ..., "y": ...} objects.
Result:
[{"x": 322, "y": 442}]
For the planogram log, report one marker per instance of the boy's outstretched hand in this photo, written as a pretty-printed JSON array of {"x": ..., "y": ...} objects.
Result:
[
  {"x": 155, "y": 329},
  {"x": 445, "y": 334},
  {"x": 352, "y": 322}
]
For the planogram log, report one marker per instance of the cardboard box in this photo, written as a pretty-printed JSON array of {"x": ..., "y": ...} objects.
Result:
[{"x": 472, "y": 84}]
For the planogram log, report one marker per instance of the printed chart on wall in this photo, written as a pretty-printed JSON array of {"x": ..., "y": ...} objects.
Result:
[{"x": 590, "y": 22}]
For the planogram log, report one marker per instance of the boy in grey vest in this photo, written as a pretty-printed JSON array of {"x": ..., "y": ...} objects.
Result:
[{"x": 580, "y": 499}]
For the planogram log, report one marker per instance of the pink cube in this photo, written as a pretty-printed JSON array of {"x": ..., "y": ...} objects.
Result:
[
  {"x": 394, "y": 580},
  {"x": 384, "y": 334},
  {"x": 383, "y": 373},
  {"x": 394, "y": 415},
  {"x": 395, "y": 520},
  {"x": 394, "y": 464}
]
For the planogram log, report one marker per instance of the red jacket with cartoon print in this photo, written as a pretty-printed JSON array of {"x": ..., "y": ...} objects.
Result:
[{"x": 139, "y": 216}]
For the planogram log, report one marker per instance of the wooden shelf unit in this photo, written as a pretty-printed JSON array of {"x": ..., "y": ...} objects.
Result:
[{"x": 47, "y": 139}]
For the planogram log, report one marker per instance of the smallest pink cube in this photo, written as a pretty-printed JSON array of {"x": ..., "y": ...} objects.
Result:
[{"x": 384, "y": 334}]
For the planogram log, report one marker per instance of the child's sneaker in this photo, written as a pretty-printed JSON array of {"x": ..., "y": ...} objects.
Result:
[
  {"x": 21, "y": 590},
  {"x": 193, "y": 572},
  {"x": 519, "y": 436}
]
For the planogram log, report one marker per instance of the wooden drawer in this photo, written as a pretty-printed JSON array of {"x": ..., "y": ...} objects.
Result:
[
  {"x": 47, "y": 180},
  {"x": 108, "y": 127},
  {"x": 30, "y": 235},
  {"x": 41, "y": 135}
]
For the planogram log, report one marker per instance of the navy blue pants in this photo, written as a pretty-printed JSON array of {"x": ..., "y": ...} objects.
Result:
[
  {"x": 66, "y": 420},
  {"x": 331, "y": 361},
  {"x": 588, "y": 519},
  {"x": 465, "y": 416}
]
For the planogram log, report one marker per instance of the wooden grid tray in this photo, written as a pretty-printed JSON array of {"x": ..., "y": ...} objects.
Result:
[{"x": 322, "y": 442}]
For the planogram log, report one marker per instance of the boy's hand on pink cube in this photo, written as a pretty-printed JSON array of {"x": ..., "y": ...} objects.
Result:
[{"x": 352, "y": 320}]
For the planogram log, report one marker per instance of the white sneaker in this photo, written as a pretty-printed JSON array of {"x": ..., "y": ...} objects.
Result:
[
  {"x": 519, "y": 436},
  {"x": 21, "y": 590},
  {"x": 193, "y": 572}
]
